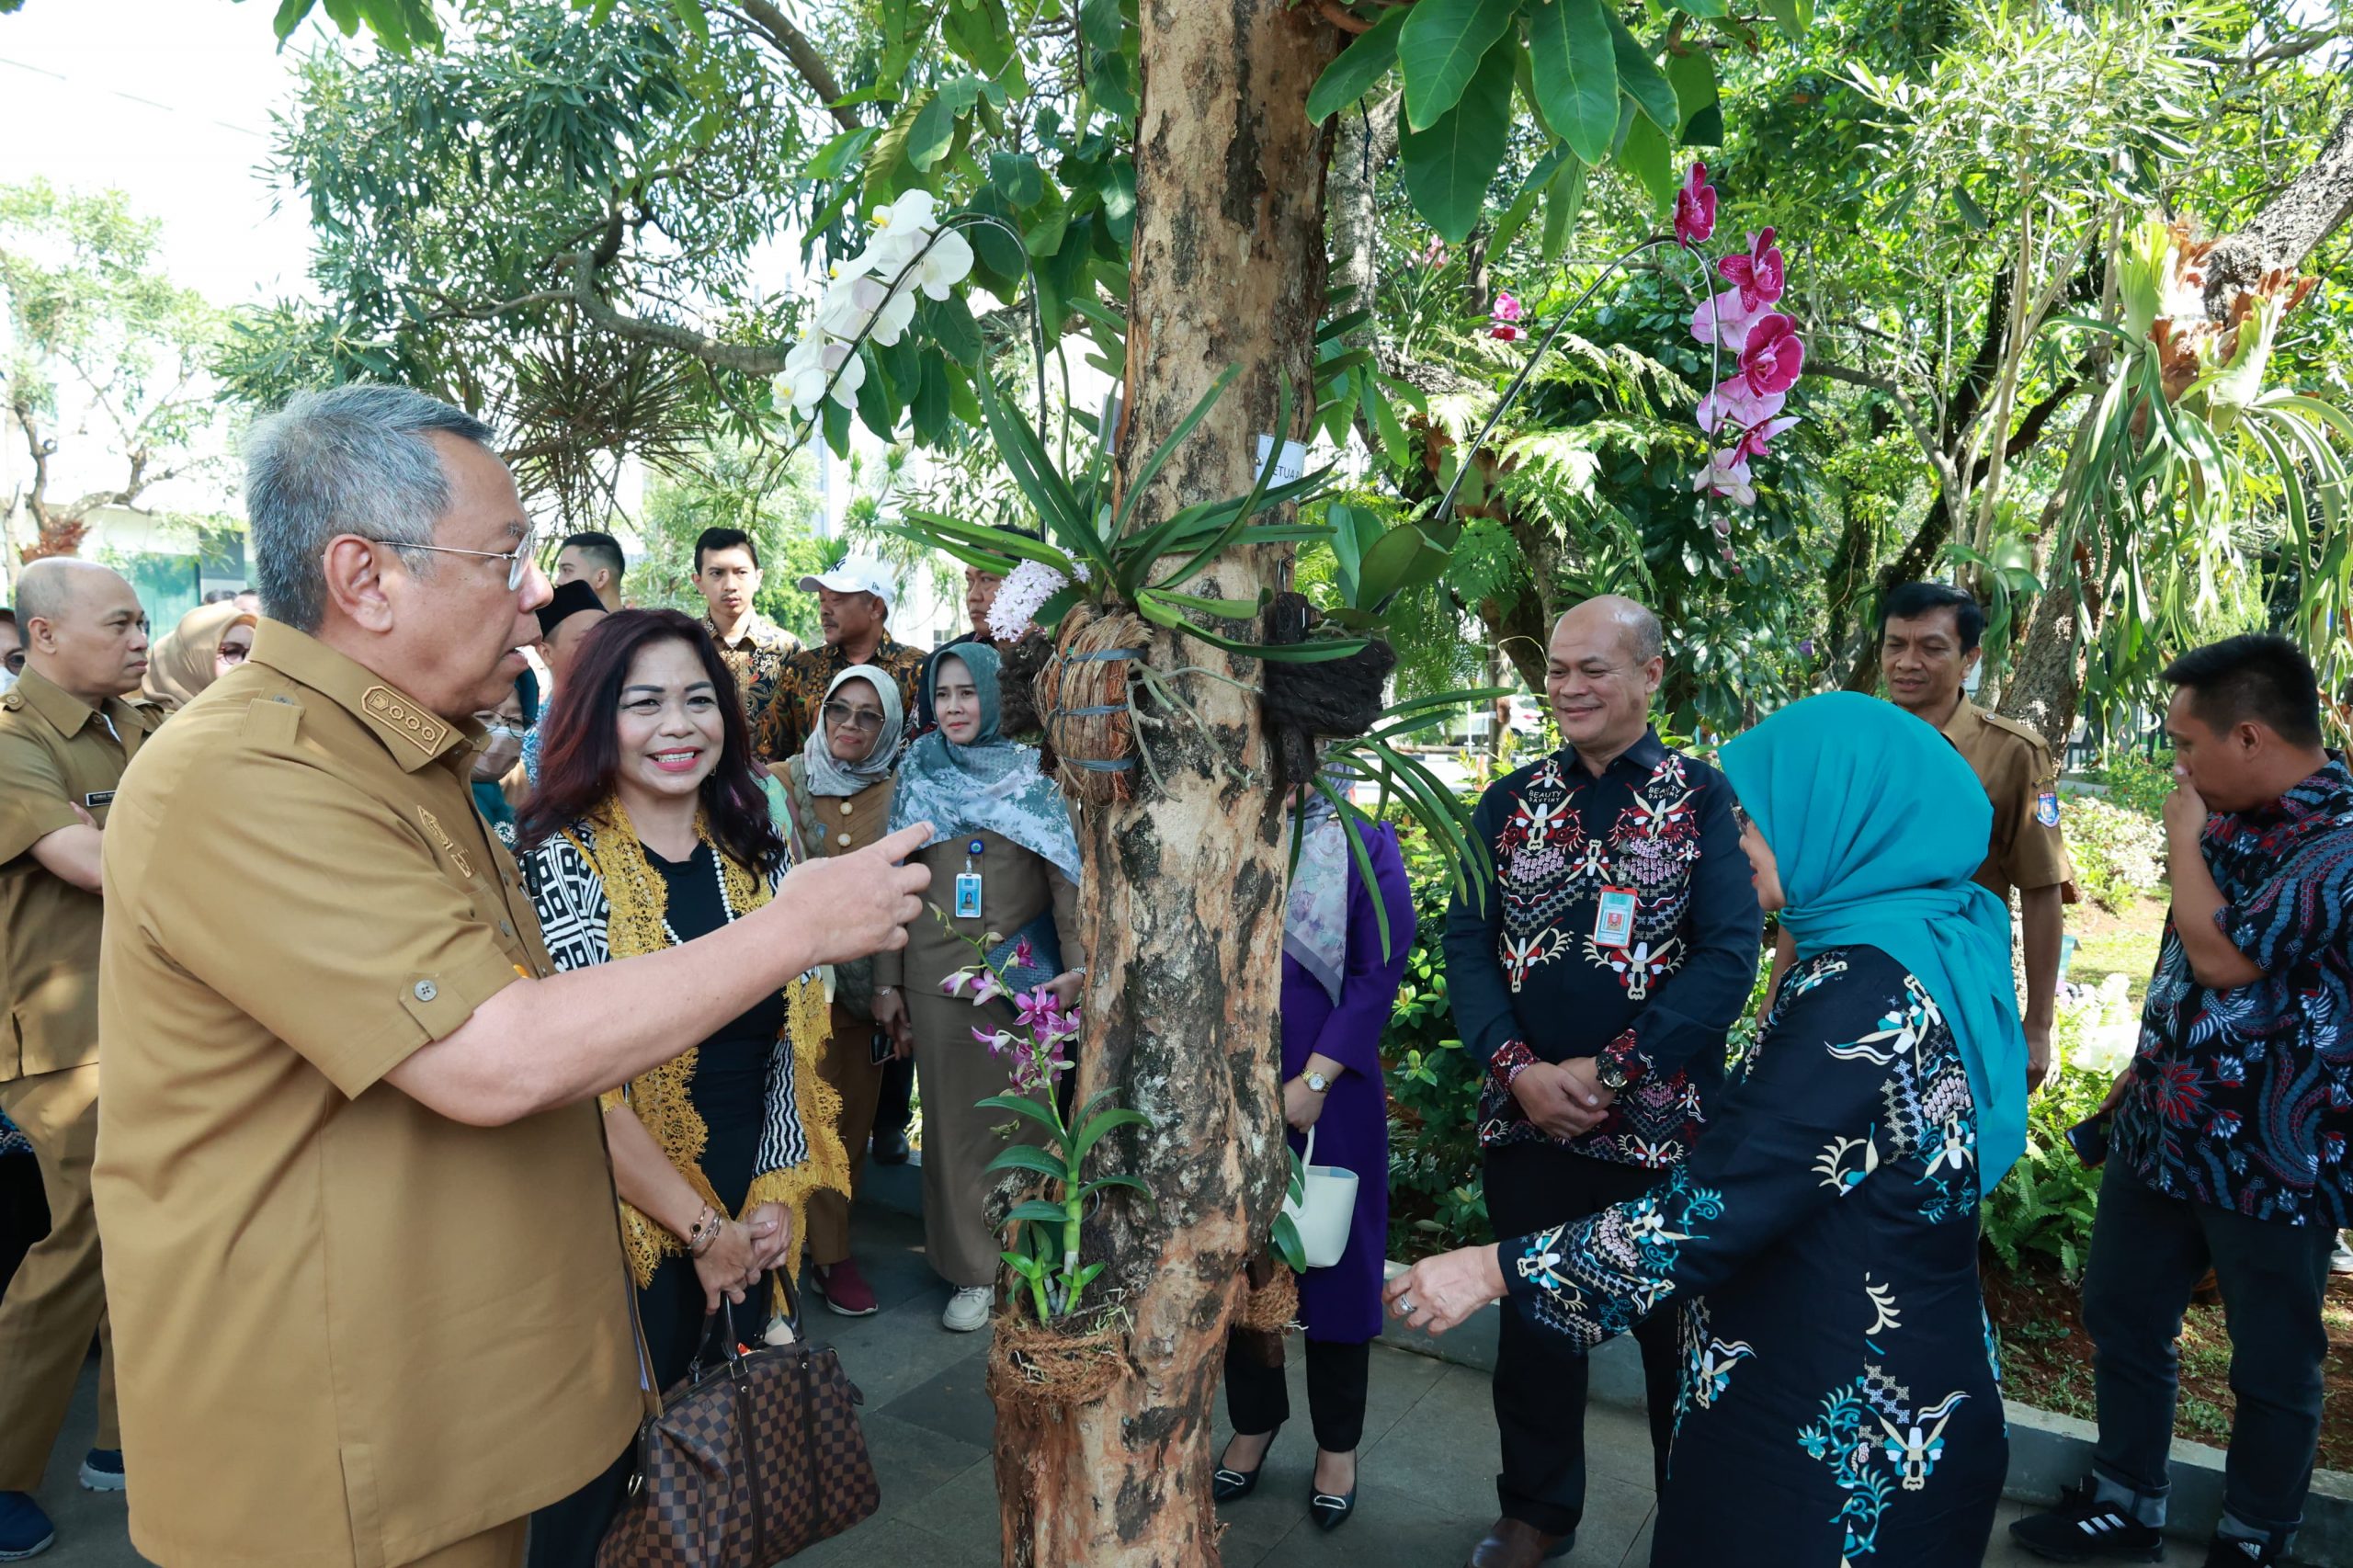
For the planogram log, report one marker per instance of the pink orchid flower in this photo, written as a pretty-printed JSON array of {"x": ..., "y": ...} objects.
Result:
[
  {"x": 1025, "y": 954},
  {"x": 1773, "y": 357},
  {"x": 1695, "y": 207},
  {"x": 1725, "y": 477},
  {"x": 1758, "y": 277},
  {"x": 1734, "y": 404},
  {"x": 995, "y": 1039},
  {"x": 1722, "y": 319}
]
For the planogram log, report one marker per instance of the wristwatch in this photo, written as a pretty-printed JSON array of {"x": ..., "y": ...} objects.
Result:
[
  {"x": 1611, "y": 1072},
  {"x": 1317, "y": 1081}
]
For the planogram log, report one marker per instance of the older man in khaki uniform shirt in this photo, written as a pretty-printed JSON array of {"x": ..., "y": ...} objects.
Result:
[
  {"x": 66, "y": 730},
  {"x": 361, "y": 1238}
]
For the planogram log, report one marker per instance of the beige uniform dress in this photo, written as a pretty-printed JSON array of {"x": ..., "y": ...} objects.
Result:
[
  {"x": 355, "y": 1332},
  {"x": 2027, "y": 851},
  {"x": 56, "y": 753},
  {"x": 827, "y": 826},
  {"x": 955, "y": 1070}
]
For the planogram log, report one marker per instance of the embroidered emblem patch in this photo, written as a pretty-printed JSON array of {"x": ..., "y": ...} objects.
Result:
[
  {"x": 403, "y": 718},
  {"x": 2046, "y": 809},
  {"x": 457, "y": 855}
]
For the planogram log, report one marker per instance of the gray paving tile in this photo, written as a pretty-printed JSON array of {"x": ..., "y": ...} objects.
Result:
[
  {"x": 895, "y": 1543},
  {"x": 953, "y": 1402}
]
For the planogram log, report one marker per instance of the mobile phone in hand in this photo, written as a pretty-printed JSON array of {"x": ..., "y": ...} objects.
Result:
[
  {"x": 2088, "y": 1138},
  {"x": 879, "y": 1049}
]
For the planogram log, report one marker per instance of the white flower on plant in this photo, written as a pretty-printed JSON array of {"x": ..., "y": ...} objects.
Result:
[
  {"x": 1024, "y": 592},
  {"x": 873, "y": 296},
  {"x": 811, "y": 365}
]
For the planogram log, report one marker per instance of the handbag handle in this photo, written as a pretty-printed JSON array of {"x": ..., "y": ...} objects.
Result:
[
  {"x": 1308, "y": 1158},
  {"x": 724, "y": 1318}
]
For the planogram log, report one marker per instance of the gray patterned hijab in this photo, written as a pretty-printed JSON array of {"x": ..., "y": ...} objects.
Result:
[{"x": 828, "y": 775}]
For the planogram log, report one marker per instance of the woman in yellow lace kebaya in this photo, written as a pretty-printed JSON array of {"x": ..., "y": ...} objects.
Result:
[{"x": 649, "y": 829}]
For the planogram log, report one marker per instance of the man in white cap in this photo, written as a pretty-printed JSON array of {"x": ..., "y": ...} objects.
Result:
[{"x": 854, "y": 608}]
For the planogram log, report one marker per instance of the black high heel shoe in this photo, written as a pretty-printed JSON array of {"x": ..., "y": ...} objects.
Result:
[
  {"x": 1331, "y": 1512},
  {"x": 1228, "y": 1485}
]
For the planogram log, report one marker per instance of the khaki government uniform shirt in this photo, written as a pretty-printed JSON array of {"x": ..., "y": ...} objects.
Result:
[
  {"x": 56, "y": 753},
  {"x": 349, "y": 1331},
  {"x": 2027, "y": 851}
]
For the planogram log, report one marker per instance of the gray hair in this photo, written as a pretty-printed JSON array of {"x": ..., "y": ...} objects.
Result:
[{"x": 351, "y": 460}]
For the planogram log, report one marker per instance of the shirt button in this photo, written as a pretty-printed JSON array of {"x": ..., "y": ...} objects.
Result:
[
  {"x": 845, "y": 808},
  {"x": 426, "y": 991},
  {"x": 844, "y": 841},
  {"x": 506, "y": 927}
]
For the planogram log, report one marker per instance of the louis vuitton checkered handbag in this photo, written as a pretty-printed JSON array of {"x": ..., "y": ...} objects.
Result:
[{"x": 756, "y": 1455}]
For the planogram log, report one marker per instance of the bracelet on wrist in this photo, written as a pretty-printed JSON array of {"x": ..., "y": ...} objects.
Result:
[{"x": 703, "y": 1231}]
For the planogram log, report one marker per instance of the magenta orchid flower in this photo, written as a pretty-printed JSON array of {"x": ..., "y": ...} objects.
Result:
[
  {"x": 1773, "y": 358},
  {"x": 1756, "y": 441},
  {"x": 1759, "y": 278},
  {"x": 1025, "y": 953},
  {"x": 1695, "y": 207},
  {"x": 1506, "y": 317}
]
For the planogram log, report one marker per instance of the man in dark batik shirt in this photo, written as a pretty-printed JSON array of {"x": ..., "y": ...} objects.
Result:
[
  {"x": 2228, "y": 1140},
  {"x": 1596, "y": 980}
]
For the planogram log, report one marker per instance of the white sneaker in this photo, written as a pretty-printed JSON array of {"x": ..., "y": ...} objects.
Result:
[{"x": 968, "y": 1308}]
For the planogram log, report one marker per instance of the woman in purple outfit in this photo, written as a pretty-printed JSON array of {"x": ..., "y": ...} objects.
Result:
[{"x": 1338, "y": 984}]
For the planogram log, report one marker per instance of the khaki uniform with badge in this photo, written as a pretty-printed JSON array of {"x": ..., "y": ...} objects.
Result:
[
  {"x": 56, "y": 753},
  {"x": 355, "y": 1332},
  {"x": 2027, "y": 851}
]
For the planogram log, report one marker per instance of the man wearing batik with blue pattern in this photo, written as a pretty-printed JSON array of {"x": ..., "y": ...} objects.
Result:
[{"x": 2229, "y": 1131}]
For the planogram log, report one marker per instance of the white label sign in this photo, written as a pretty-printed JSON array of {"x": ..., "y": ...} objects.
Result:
[{"x": 1293, "y": 463}]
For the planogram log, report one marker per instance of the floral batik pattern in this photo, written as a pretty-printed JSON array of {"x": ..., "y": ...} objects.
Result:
[
  {"x": 2244, "y": 1098},
  {"x": 1820, "y": 1244}
]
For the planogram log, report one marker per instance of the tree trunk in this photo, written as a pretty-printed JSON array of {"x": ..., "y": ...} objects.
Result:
[
  {"x": 1181, "y": 905},
  {"x": 1368, "y": 140}
]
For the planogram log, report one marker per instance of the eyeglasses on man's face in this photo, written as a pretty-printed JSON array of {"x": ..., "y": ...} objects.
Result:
[{"x": 519, "y": 560}]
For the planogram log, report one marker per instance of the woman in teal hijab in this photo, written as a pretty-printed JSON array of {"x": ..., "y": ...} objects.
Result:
[{"x": 1839, "y": 1403}]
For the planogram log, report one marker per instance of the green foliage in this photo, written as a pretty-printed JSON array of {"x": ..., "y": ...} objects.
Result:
[
  {"x": 1435, "y": 1199},
  {"x": 2137, "y": 783},
  {"x": 101, "y": 342},
  {"x": 2046, "y": 1204}
]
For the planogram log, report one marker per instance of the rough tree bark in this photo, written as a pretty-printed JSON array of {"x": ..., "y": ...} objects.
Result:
[{"x": 1182, "y": 905}]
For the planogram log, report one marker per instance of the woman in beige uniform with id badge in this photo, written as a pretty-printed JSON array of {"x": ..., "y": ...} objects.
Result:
[{"x": 1001, "y": 848}]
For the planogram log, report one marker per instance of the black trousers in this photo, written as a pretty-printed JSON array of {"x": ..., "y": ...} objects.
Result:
[
  {"x": 1539, "y": 1380},
  {"x": 893, "y": 1106},
  {"x": 2148, "y": 1251},
  {"x": 1259, "y": 1400}
]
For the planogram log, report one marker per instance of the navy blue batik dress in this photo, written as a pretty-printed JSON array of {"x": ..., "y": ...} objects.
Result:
[{"x": 1839, "y": 1403}]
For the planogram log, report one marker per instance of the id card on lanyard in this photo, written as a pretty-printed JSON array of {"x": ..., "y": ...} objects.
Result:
[
  {"x": 1613, "y": 918},
  {"x": 968, "y": 884}
]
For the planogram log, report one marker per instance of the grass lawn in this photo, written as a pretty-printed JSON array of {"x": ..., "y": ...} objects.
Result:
[{"x": 2124, "y": 943}]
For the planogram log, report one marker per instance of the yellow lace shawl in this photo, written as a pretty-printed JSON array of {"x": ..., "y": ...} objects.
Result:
[{"x": 659, "y": 1097}]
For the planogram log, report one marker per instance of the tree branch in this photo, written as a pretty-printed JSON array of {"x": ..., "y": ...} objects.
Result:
[
  {"x": 2291, "y": 226},
  {"x": 771, "y": 22}
]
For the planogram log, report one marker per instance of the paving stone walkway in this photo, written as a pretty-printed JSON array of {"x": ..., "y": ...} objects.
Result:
[{"x": 1426, "y": 1468}]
